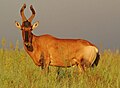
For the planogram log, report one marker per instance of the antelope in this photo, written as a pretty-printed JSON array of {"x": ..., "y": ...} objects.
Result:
[{"x": 47, "y": 50}]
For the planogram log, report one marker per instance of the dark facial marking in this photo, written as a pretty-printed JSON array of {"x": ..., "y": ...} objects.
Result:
[
  {"x": 29, "y": 48},
  {"x": 26, "y": 36},
  {"x": 27, "y": 24}
]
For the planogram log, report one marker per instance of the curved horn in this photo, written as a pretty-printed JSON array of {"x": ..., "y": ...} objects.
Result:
[
  {"x": 33, "y": 14},
  {"x": 22, "y": 13}
]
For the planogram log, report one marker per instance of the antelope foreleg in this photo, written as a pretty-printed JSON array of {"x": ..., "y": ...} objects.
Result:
[{"x": 42, "y": 60}]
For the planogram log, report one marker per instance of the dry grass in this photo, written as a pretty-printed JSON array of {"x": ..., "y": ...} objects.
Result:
[{"x": 17, "y": 70}]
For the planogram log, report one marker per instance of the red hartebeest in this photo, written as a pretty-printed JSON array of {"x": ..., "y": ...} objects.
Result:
[{"x": 47, "y": 50}]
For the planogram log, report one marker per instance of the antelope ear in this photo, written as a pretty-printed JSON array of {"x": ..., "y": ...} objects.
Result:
[
  {"x": 35, "y": 25},
  {"x": 17, "y": 25}
]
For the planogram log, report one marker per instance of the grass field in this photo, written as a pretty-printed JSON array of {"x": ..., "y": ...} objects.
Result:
[{"x": 17, "y": 70}]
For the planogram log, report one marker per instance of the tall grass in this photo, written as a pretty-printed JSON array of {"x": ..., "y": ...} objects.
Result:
[{"x": 17, "y": 70}]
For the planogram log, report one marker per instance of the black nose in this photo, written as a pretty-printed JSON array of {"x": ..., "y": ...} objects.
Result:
[{"x": 26, "y": 36}]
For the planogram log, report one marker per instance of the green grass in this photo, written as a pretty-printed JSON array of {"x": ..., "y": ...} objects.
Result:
[{"x": 17, "y": 70}]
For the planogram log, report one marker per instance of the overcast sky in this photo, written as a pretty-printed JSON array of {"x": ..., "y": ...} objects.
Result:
[{"x": 97, "y": 21}]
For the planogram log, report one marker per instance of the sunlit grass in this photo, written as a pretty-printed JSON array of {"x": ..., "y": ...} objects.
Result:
[{"x": 17, "y": 70}]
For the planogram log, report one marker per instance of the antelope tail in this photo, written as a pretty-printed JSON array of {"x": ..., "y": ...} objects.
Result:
[{"x": 95, "y": 63}]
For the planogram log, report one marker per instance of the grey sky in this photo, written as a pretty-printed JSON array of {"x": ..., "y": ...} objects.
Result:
[{"x": 95, "y": 20}]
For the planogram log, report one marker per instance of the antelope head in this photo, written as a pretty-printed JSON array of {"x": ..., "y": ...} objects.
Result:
[{"x": 26, "y": 26}]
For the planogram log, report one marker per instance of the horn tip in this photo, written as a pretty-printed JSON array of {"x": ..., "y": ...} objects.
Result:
[
  {"x": 24, "y": 5},
  {"x": 31, "y": 7}
]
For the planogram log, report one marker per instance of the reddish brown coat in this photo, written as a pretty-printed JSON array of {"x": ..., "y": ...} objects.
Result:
[{"x": 47, "y": 50}]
